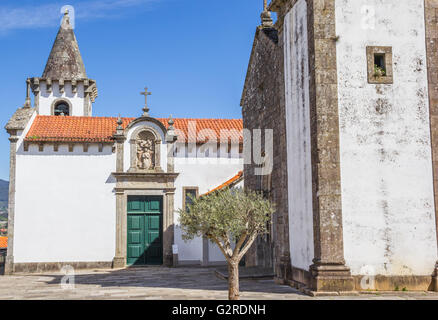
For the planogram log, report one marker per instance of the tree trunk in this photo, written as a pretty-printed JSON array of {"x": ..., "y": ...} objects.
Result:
[{"x": 233, "y": 281}]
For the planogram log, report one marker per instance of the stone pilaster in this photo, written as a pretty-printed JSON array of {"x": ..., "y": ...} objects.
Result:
[
  {"x": 120, "y": 152},
  {"x": 158, "y": 155},
  {"x": 87, "y": 104},
  {"x": 328, "y": 273},
  {"x": 120, "y": 257},
  {"x": 9, "y": 266},
  {"x": 168, "y": 228},
  {"x": 120, "y": 156},
  {"x": 431, "y": 24}
]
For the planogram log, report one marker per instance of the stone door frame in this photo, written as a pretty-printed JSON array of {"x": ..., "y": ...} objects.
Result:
[{"x": 144, "y": 184}]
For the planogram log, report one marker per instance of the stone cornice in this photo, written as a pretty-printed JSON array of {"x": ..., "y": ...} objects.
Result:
[
  {"x": 144, "y": 175},
  {"x": 90, "y": 85}
]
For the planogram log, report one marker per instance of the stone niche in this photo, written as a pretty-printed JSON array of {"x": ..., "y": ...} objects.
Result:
[{"x": 145, "y": 151}]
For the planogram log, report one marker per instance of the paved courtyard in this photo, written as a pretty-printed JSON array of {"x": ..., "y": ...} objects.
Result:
[{"x": 158, "y": 283}]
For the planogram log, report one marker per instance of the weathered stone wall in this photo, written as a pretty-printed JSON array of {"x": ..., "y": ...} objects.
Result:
[
  {"x": 328, "y": 273},
  {"x": 334, "y": 76},
  {"x": 387, "y": 191},
  {"x": 263, "y": 108},
  {"x": 297, "y": 102},
  {"x": 431, "y": 19}
]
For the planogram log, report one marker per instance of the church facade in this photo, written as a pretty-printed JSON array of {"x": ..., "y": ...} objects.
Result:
[
  {"x": 350, "y": 88},
  {"x": 103, "y": 191}
]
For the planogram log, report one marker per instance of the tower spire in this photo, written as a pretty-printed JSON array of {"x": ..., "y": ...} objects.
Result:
[{"x": 65, "y": 60}]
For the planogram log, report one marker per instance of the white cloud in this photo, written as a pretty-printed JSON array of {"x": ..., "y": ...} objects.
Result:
[{"x": 48, "y": 15}]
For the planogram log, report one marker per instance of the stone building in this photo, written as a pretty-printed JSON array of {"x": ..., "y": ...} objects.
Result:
[
  {"x": 102, "y": 191},
  {"x": 350, "y": 88}
]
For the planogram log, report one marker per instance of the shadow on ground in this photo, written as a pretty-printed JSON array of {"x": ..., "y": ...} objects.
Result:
[{"x": 172, "y": 278}]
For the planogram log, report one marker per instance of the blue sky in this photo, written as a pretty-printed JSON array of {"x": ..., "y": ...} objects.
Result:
[{"x": 192, "y": 55}]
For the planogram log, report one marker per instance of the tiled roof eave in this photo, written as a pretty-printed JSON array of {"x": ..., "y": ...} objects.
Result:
[
  {"x": 46, "y": 129},
  {"x": 230, "y": 183},
  {"x": 71, "y": 140}
]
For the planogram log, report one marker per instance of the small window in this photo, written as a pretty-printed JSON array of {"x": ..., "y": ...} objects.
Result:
[
  {"x": 379, "y": 61},
  {"x": 61, "y": 109},
  {"x": 188, "y": 193}
]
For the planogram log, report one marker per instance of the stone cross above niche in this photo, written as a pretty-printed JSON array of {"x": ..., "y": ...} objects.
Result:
[
  {"x": 145, "y": 151},
  {"x": 146, "y": 109}
]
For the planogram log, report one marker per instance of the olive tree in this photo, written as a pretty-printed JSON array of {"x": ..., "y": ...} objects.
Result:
[{"x": 231, "y": 218}]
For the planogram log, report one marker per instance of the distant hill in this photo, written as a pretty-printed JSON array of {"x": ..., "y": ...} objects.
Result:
[
  {"x": 4, "y": 194},
  {"x": 4, "y": 190}
]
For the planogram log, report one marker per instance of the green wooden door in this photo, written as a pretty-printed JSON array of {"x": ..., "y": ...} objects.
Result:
[{"x": 145, "y": 230}]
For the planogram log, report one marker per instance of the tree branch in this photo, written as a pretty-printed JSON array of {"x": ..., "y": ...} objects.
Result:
[
  {"x": 247, "y": 245},
  {"x": 219, "y": 244},
  {"x": 227, "y": 245},
  {"x": 239, "y": 244}
]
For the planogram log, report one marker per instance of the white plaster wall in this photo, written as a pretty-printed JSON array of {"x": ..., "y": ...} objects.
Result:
[
  {"x": 206, "y": 174},
  {"x": 386, "y": 166},
  {"x": 76, "y": 99},
  {"x": 65, "y": 206},
  {"x": 298, "y": 136},
  {"x": 214, "y": 253}
]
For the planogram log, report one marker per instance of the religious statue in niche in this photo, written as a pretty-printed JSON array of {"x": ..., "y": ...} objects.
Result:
[{"x": 145, "y": 151}]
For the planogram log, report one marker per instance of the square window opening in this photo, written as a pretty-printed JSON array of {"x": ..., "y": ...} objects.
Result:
[{"x": 379, "y": 65}]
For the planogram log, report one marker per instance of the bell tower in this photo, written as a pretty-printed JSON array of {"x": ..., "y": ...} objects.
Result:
[{"x": 64, "y": 88}]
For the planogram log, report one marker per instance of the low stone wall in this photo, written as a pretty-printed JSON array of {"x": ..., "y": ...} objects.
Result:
[{"x": 57, "y": 266}]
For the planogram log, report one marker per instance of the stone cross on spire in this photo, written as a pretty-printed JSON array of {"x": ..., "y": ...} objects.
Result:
[{"x": 146, "y": 108}]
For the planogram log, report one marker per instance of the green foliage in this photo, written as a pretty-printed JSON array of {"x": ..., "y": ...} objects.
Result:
[
  {"x": 227, "y": 216},
  {"x": 229, "y": 212},
  {"x": 231, "y": 218},
  {"x": 379, "y": 71}
]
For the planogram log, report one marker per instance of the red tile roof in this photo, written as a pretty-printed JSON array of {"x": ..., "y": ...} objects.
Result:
[
  {"x": 101, "y": 129},
  {"x": 237, "y": 178},
  {"x": 3, "y": 242}
]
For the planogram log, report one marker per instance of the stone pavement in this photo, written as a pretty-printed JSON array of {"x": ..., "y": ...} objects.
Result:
[{"x": 159, "y": 283}]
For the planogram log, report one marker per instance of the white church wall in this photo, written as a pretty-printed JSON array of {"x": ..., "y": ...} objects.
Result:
[
  {"x": 65, "y": 206},
  {"x": 298, "y": 137},
  {"x": 215, "y": 254},
  {"x": 47, "y": 98},
  {"x": 206, "y": 173},
  {"x": 386, "y": 167}
]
